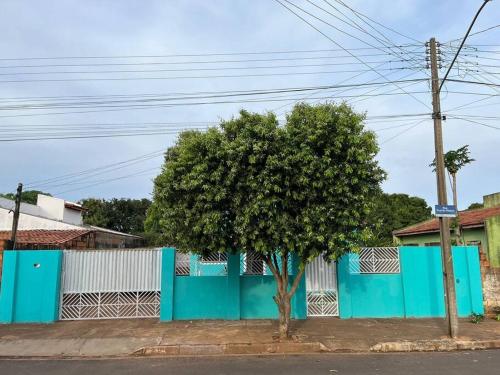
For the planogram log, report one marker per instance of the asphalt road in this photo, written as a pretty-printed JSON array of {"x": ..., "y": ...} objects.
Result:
[{"x": 457, "y": 363}]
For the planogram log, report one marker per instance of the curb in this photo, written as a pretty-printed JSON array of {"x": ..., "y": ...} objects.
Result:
[
  {"x": 434, "y": 346},
  {"x": 232, "y": 349}
]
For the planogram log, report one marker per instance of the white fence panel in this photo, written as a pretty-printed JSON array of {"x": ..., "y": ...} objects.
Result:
[{"x": 320, "y": 275}]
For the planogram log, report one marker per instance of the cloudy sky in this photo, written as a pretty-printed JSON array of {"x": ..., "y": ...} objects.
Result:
[{"x": 61, "y": 59}]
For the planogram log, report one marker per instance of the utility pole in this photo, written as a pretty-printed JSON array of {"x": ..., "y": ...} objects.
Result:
[
  {"x": 15, "y": 220},
  {"x": 444, "y": 222}
]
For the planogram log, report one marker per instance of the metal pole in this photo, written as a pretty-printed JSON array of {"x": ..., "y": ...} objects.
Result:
[
  {"x": 15, "y": 220},
  {"x": 444, "y": 222}
]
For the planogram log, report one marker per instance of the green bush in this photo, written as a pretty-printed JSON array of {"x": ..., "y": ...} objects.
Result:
[{"x": 476, "y": 318}]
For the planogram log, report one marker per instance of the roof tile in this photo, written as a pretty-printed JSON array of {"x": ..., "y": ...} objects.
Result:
[
  {"x": 468, "y": 219},
  {"x": 44, "y": 237}
]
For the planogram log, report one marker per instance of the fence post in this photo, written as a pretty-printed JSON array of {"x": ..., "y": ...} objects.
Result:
[
  {"x": 233, "y": 286},
  {"x": 167, "y": 284},
  {"x": 343, "y": 288}
]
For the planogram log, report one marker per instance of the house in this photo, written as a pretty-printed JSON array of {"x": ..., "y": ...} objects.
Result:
[
  {"x": 480, "y": 227},
  {"x": 54, "y": 223}
]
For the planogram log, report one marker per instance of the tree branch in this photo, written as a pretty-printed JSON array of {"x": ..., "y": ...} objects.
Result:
[
  {"x": 276, "y": 264},
  {"x": 284, "y": 266},
  {"x": 296, "y": 282}
]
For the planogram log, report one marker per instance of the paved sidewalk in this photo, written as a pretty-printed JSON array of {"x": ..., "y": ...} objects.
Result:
[{"x": 149, "y": 337}]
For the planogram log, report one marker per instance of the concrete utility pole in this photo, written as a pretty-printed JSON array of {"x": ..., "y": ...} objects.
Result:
[
  {"x": 444, "y": 222},
  {"x": 15, "y": 220}
]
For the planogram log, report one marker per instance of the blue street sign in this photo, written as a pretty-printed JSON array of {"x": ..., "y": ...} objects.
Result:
[{"x": 445, "y": 210}]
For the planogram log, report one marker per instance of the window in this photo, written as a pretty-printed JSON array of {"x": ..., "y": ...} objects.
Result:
[
  {"x": 375, "y": 260},
  {"x": 182, "y": 264},
  {"x": 214, "y": 258},
  {"x": 252, "y": 263}
]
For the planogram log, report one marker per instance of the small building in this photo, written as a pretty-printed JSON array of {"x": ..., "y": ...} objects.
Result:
[
  {"x": 54, "y": 223},
  {"x": 479, "y": 227}
]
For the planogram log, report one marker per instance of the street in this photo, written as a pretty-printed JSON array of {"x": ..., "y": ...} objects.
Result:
[{"x": 456, "y": 363}]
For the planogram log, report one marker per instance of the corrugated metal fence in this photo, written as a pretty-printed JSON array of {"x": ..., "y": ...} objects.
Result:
[{"x": 105, "y": 284}]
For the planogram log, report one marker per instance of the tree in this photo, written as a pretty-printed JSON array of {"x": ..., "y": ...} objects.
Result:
[
  {"x": 253, "y": 186},
  {"x": 28, "y": 196},
  {"x": 392, "y": 212},
  {"x": 475, "y": 206},
  {"x": 454, "y": 160},
  {"x": 124, "y": 215}
]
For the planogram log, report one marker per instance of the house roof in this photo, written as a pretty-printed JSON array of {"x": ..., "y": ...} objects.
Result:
[
  {"x": 468, "y": 219},
  {"x": 44, "y": 237}
]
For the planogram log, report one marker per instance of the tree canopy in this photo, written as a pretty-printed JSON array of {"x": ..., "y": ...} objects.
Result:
[
  {"x": 124, "y": 215},
  {"x": 392, "y": 212},
  {"x": 475, "y": 206},
  {"x": 252, "y": 185}
]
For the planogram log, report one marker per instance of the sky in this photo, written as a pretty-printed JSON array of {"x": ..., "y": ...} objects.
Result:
[{"x": 74, "y": 35}]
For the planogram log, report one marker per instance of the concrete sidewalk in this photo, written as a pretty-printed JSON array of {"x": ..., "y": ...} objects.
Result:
[{"x": 149, "y": 337}]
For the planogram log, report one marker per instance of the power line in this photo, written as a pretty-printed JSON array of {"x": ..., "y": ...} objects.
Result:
[
  {"x": 462, "y": 44},
  {"x": 146, "y": 156},
  {"x": 476, "y": 122},
  {"x": 476, "y": 33},
  {"x": 198, "y": 69},
  {"x": 158, "y": 102},
  {"x": 350, "y": 21},
  {"x": 219, "y": 102},
  {"x": 475, "y": 82},
  {"x": 204, "y": 62},
  {"x": 380, "y": 24},
  {"x": 337, "y": 44},
  {"x": 137, "y": 174},
  {"x": 87, "y": 136},
  {"x": 174, "y": 77},
  {"x": 411, "y": 126},
  {"x": 188, "y": 55},
  {"x": 363, "y": 18}
]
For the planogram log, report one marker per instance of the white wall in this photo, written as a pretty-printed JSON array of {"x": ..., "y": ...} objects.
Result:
[
  {"x": 51, "y": 207},
  {"x": 55, "y": 208},
  {"x": 30, "y": 222}
]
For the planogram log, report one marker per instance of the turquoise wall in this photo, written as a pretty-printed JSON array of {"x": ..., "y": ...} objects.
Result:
[
  {"x": 257, "y": 297},
  {"x": 228, "y": 297},
  {"x": 422, "y": 279},
  {"x": 368, "y": 295},
  {"x": 200, "y": 297},
  {"x": 417, "y": 291},
  {"x": 30, "y": 286}
]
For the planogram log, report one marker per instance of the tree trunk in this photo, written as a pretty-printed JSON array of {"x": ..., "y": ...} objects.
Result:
[
  {"x": 284, "y": 309},
  {"x": 284, "y": 294},
  {"x": 458, "y": 236}
]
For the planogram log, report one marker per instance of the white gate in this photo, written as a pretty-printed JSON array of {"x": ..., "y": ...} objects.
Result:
[
  {"x": 321, "y": 288},
  {"x": 109, "y": 284}
]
